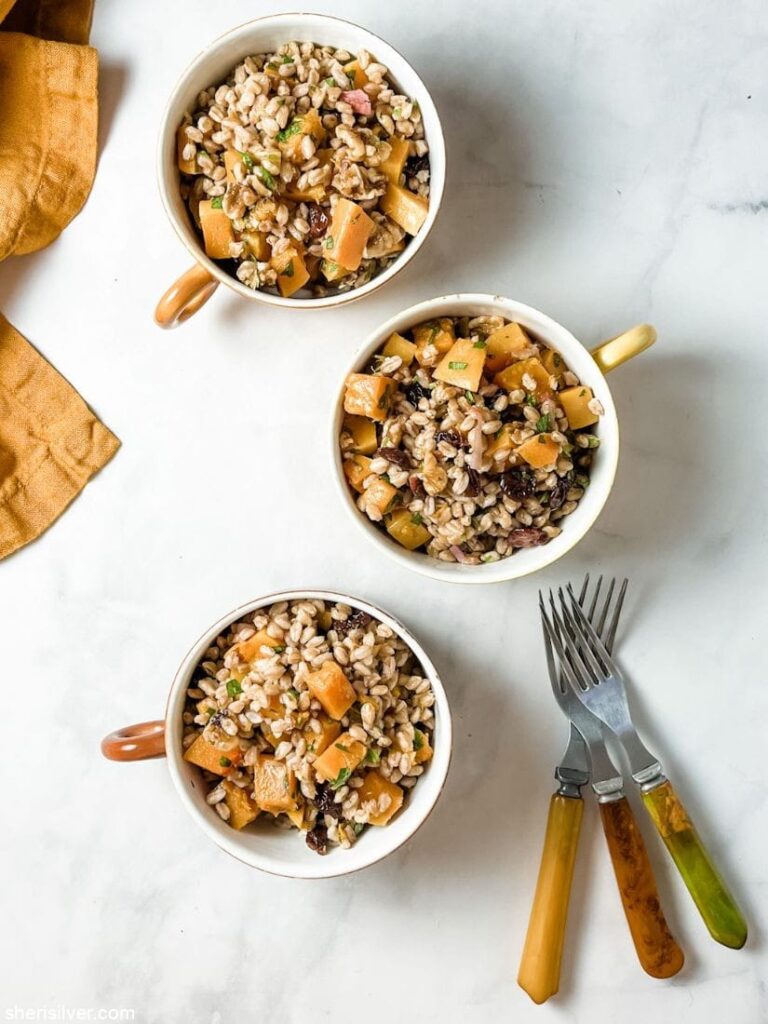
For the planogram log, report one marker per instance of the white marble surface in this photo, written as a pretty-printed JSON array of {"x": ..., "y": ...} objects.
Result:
[{"x": 608, "y": 164}]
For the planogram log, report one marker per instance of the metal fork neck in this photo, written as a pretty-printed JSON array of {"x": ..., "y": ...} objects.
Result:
[{"x": 571, "y": 782}]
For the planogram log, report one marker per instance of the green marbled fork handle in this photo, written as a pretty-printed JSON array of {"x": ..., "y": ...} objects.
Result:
[{"x": 720, "y": 911}]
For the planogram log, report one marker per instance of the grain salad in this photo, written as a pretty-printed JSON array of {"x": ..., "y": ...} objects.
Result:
[
  {"x": 311, "y": 715},
  {"x": 305, "y": 168},
  {"x": 468, "y": 438}
]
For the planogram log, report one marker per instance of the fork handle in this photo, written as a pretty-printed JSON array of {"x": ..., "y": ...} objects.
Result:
[
  {"x": 658, "y": 952},
  {"x": 720, "y": 911},
  {"x": 539, "y": 973}
]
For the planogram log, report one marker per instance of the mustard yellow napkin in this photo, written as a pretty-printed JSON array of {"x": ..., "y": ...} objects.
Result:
[{"x": 50, "y": 442}]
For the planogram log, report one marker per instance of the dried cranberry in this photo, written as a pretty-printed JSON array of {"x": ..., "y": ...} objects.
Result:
[
  {"x": 474, "y": 486},
  {"x": 512, "y": 414},
  {"x": 318, "y": 220},
  {"x": 357, "y": 620},
  {"x": 396, "y": 455},
  {"x": 324, "y": 802},
  {"x": 317, "y": 839},
  {"x": 527, "y": 537},
  {"x": 414, "y": 392},
  {"x": 415, "y": 165},
  {"x": 558, "y": 493},
  {"x": 414, "y": 482},
  {"x": 518, "y": 483},
  {"x": 452, "y": 437}
]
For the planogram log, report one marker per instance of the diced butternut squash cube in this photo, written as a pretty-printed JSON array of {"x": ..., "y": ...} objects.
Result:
[
  {"x": 325, "y": 619},
  {"x": 332, "y": 271},
  {"x": 434, "y": 334},
  {"x": 363, "y": 434},
  {"x": 356, "y": 470},
  {"x": 348, "y": 232},
  {"x": 218, "y": 760},
  {"x": 356, "y": 75},
  {"x": 274, "y": 785},
  {"x": 373, "y": 788},
  {"x": 292, "y": 272},
  {"x": 217, "y": 229},
  {"x": 422, "y": 747},
  {"x": 290, "y": 139},
  {"x": 242, "y": 808},
  {"x": 404, "y": 208},
  {"x": 296, "y": 817},
  {"x": 500, "y": 442},
  {"x": 407, "y": 529},
  {"x": 185, "y": 166},
  {"x": 331, "y": 687},
  {"x": 397, "y": 345},
  {"x": 257, "y": 245},
  {"x": 309, "y": 194},
  {"x": 552, "y": 362},
  {"x": 540, "y": 451},
  {"x": 511, "y": 378},
  {"x": 251, "y": 649},
  {"x": 368, "y": 394},
  {"x": 575, "y": 402},
  {"x": 393, "y": 165},
  {"x": 340, "y": 759},
  {"x": 462, "y": 365},
  {"x": 505, "y": 345},
  {"x": 317, "y": 742},
  {"x": 380, "y": 497}
]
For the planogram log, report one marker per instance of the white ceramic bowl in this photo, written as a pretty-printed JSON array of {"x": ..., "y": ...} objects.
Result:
[
  {"x": 588, "y": 366},
  {"x": 262, "y": 845},
  {"x": 189, "y": 293}
]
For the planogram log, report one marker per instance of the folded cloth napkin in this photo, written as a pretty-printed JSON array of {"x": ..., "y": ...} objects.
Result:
[{"x": 50, "y": 442}]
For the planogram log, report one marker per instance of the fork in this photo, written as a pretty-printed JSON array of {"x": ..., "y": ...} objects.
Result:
[
  {"x": 659, "y": 954},
  {"x": 599, "y": 685}
]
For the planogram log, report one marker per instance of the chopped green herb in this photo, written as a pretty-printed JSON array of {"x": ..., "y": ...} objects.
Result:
[
  {"x": 288, "y": 272},
  {"x": 211, "y": 711},
  {"x": 287, "y": 59},
  {"x": 330, "y": 82},
  {"x": 416, "y": 519},
  {"x": 328, "y": 243},
  {"x": 489, "y": 556},
  {"x": 247, "y": 160},
  {"x": 383, "y": 401},
  {"x": 457, "y": 365},
  {"x": 267, "y": 178},
  {"x": 432, "y": 335},
  {"x": 531, "y": 400},
  {"x": 542, "y": 439},
  {"x": 217, "y": 202},
  {"x": 340, "y": 746},
  {"x": 543, "y": 423},
  {"x": 480, "y": 344},
  {"x": 582, "y": 480},
  {"x": 592, "y": 441},
  {"x": 397, "y": 113},
  {"x": 358, "y": 827},
  {"x": 469, "y": 397},
  {"x": 293, "y": 129},
  {"x": 340, "y": 779},
  {"x": 372, "y": 756},
  {"x": 279, "y": 648},
  {"x": 582, "y": 392},
  {"x": 293, "y": 692},
  {"x": 272, "y": 66},
  {"x": 418, "y": 739},
  {"x": 225, "y": 762},
  {"x": 233, "y": 688},
  {"x": 544, "y": 500}
]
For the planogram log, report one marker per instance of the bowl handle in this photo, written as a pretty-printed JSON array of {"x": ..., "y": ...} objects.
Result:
[
  {"x": 186, "y": 295},
  {"x": 135, "y": 742},
  {"x": 615, "y": 351}
]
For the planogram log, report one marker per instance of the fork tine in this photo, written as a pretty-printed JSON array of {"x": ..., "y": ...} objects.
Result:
[
  {"x": 591, "y": 615},
  {"x": 570, "y": 658},
  {"x": 595, "y": 643},
  {"x": 601, "y": 625},
  {"x": 581, "y": 643},
  {"x": 615, "y": 620},
  {"x": 555, "y": 677},
  {"x": 556, "y": 642},
  {"x": 584, "y": 587}
]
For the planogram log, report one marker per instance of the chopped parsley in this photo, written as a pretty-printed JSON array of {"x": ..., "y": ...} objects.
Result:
[
  {"x": 233, "y": 688},
  {"x": 288, "y": 272},
  {"x": 225, "y": 762},
  {"x": 543, "y": 423},
  {"x": 416, "y": 519},
  {"x": 217, "y": 202},
  {"x": 372, "y": 756},
  {"x": 418, "y": 739},
  {"x": 542, "y": 439},
  {"x": 340, "y": 746},
  {"x": 293, "y": 692},
  {"x": 480, "y": 344},
  {"x": 267, "y": 178},
  {"x": 592, "y": 441},
  {"x": 247, "y": 160},
  {"x": 531, "y": 400},
  {"x": 340, "y": 779},
  {"x": 358, "y": 827},
  {"x": 469, "y": 397},
  {"x": 287, "y": 59},
  {"x": 328, "y": 243},
  {"x": 279, "y": 648},
  {"x": 293, "y": 129},
  {"x": 330, "y": 82},
  {"x": 457, "y": 365}
]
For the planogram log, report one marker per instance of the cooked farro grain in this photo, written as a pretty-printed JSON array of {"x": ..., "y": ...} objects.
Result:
[
  {"x": 306, "y": 169},
  {"x": 282, "y": 731},
  {"x": 467, "y": 439}
]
